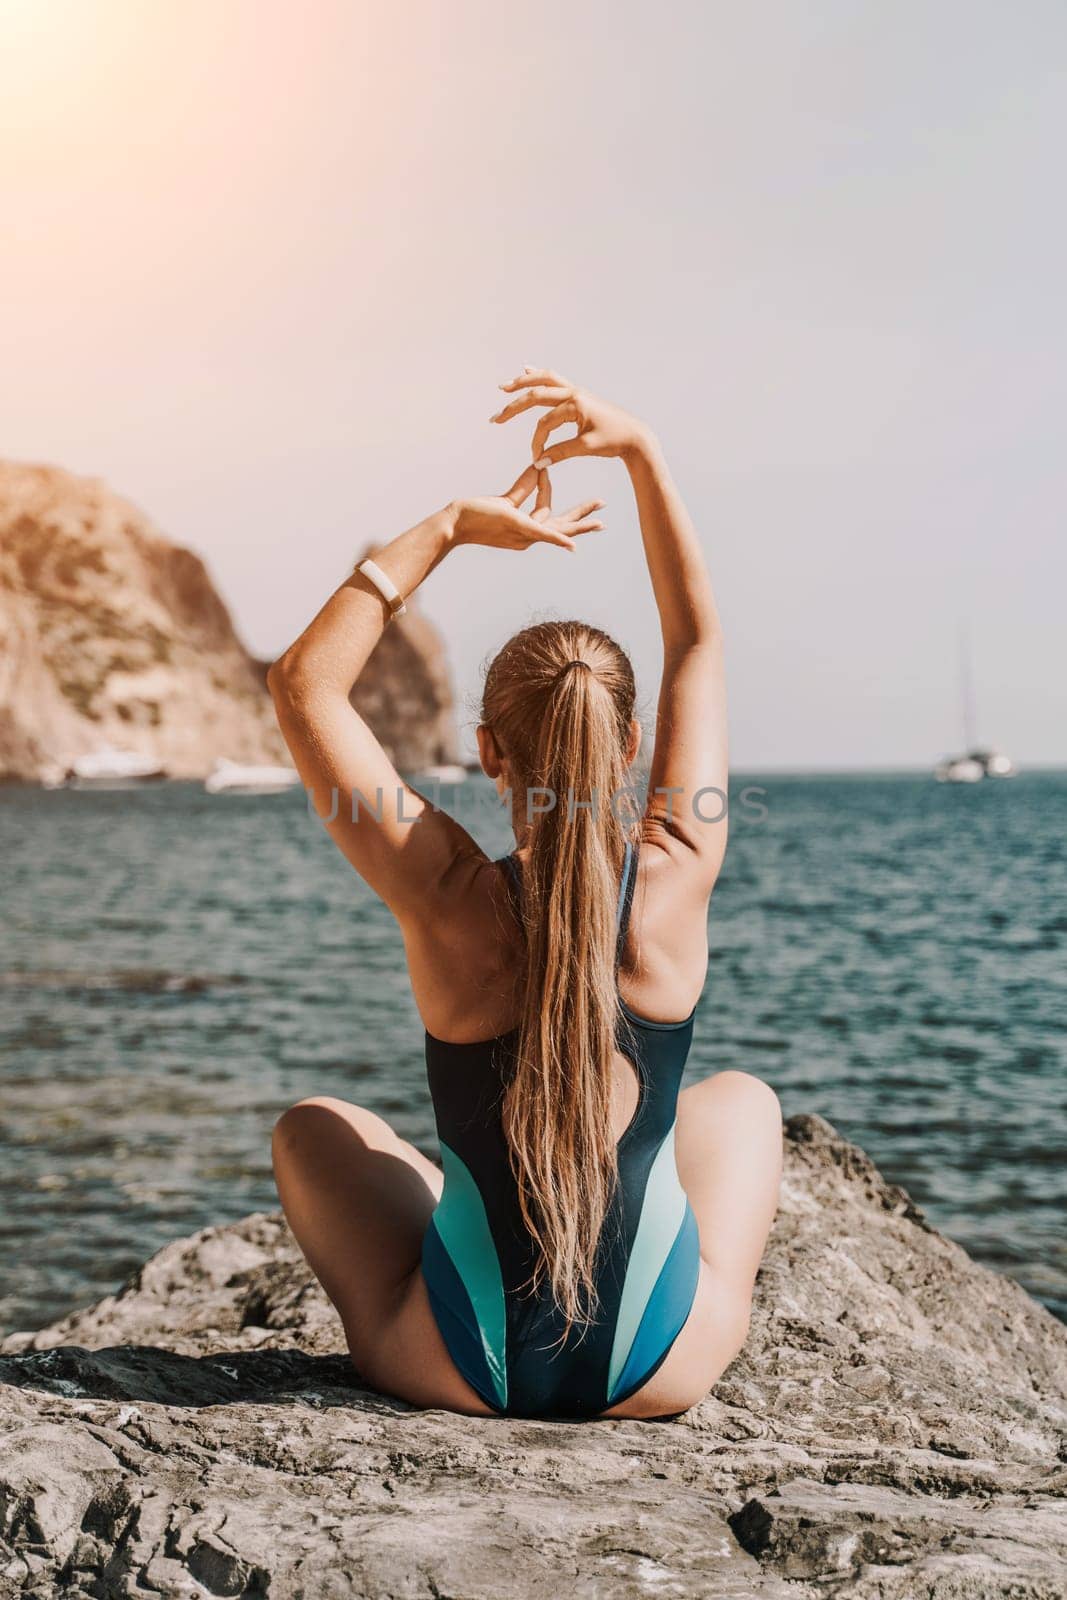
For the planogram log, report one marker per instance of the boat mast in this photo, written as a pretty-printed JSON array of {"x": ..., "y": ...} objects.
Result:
[{"x": 967, "y": 690}]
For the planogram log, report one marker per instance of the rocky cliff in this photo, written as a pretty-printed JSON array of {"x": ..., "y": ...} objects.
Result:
[
  {"x": 894, "y": 1430},
  {"x": 109, "y": 634}
]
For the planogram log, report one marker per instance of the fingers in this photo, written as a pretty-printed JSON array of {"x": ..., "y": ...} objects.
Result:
[
  {"x": 579, "y": 519},
  {"x": 539, "y": 395},
  {"x": 556, "y": 418},
  {"x": 530, "y": 375},
  {"x": 543, "y": 505},
  {"x": 576, "y": 513},
  {"x": 527, "y": 481},
  {"x": 565, "y": 451},
  {"x": 551, "y": 533}
]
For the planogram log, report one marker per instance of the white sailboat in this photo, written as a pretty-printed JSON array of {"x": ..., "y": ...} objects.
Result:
[
  {"x": 230, "y": 777},
  {"x": 959, "y": 769},
  {"x": 977, "y": 761}
]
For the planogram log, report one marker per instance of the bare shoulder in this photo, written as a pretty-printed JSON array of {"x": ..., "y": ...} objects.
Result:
[{"x": 464, "y": 950}]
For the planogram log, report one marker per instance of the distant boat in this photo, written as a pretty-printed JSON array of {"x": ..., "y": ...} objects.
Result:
[
  {"x": 975, "y": 766},
  {"x": 110, "y": 768},
  {"x": 978, "y": 761},
  {"x": 229, "y": 777},
  {"x": 446, "y": 772}
]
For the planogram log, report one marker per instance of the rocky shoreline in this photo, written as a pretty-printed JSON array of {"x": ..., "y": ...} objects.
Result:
[{"x": 896, "y": 1428}]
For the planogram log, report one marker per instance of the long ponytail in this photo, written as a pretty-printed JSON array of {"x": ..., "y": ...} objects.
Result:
[{"x": 559, "y": 699}]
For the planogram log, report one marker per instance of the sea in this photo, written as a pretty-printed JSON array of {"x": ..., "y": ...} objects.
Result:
[{"x": 176, "y": 969}]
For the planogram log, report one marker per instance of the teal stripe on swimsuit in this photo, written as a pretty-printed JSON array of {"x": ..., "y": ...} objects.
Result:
[
  {"x": 662, "y": 1215},
  {"x": 624, "y": 883},
  {"x": 463, "y": 1228}
]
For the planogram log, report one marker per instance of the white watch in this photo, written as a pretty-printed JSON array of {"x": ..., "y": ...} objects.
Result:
[{"x": 385, "y": 587}]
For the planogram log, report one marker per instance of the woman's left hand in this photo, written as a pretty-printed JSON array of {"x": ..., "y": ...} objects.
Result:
[{"x": 498, "y": 521}]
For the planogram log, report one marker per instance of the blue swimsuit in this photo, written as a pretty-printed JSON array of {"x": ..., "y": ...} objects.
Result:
[{"x": 477, "y": 1257}]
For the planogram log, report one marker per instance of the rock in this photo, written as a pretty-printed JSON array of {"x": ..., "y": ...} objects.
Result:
[
  {"x": 111, "y": 635},
  {"x": 819, "y": 1531},
  {"x": 894, "y": 1429}
]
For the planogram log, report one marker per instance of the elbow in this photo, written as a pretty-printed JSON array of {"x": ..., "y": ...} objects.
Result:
[
  {"x": 287, "y": 679},
  {"x": 277, "y": 673},
  {"x": 693, "y": 643}
]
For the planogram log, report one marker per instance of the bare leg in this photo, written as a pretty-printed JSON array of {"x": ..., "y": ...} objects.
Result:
[
  {"x": 728, "y": 1148},
  {"x": 729, "y": 1153},
  {"x": 358, "y": 1200}
]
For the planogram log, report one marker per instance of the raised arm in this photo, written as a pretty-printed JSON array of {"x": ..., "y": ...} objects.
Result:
[
  {"x": 402, "y": 846},
  {"x": 686, "y": 810},
  {"x": 688, "y": 777}
]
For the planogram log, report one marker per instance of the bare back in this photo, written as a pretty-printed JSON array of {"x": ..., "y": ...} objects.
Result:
[{"x": 465, "y": 959}]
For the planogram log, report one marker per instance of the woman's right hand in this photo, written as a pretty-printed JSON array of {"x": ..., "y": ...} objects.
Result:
[
  {"x": 603, "y": 429},
  {"x": 499, "y": 521}
]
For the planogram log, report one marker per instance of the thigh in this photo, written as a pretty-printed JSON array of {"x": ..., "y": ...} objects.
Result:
[
  {"x": 358, "y": 1199},
  {"x": 728, "y": 1149},
  {"x": 728, "y": 1146}
]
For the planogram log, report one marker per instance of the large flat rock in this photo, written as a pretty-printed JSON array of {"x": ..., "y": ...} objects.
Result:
[{"x": 894, "y": 1430}]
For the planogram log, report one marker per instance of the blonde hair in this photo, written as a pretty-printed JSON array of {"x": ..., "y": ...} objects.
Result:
[{"x": 559, "y": 701}]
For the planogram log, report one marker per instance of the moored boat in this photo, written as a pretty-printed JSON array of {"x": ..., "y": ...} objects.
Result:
[
  {"x": 974, "y": 766},
  {"x": 230, "y": 777},
  {"x": 110, "y": 768},
  {"x": 977, "y": 761},
  {"x": 959, "y": 769}
]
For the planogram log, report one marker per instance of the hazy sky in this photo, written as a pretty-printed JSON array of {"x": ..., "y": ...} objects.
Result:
[{"x": 264, "y": 264}]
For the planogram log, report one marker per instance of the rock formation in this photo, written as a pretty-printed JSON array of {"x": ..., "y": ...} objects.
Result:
[
  {"x": 109, "y": 634},
  {"x": 893, "y": 1430}
]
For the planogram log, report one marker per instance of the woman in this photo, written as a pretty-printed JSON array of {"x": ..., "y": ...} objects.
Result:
[{"x": 591, "y": 1245}]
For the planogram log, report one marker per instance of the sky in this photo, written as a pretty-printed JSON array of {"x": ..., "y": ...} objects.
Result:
[{"x": 264, "y": 265}]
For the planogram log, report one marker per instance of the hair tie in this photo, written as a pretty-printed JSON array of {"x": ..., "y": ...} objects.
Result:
[{"x": 577, "y": 662}]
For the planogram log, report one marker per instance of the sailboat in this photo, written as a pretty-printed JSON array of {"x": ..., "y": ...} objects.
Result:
[{"x": 977, "y": 761}]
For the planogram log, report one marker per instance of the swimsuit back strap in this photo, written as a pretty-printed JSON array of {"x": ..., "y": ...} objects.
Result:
[
  {"x": 627, "y": 883},
  {"x": 511, "y": 867},
  {"x": 624, "y": 905}
]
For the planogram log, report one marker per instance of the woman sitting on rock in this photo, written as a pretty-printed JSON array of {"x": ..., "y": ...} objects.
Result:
[{"x": 591, "y": 1244}]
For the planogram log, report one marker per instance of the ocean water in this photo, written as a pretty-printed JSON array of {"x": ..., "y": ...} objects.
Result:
[{"x": 175, "y": 970}]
